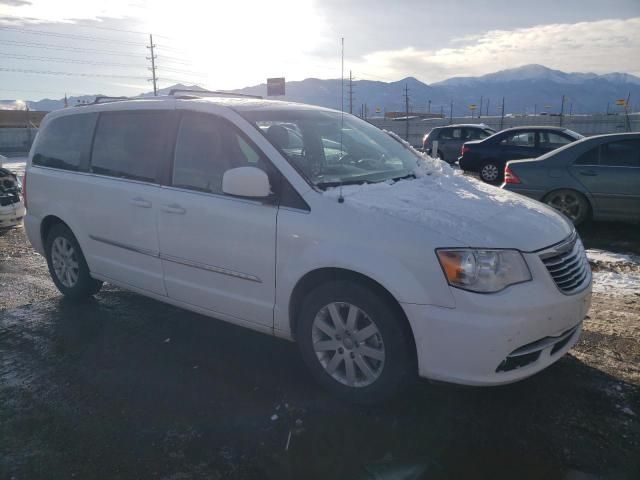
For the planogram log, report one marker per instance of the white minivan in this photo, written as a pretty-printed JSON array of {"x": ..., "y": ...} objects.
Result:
[{"x": 310, "y": 225}]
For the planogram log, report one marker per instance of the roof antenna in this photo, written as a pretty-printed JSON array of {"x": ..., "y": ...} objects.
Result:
[{"x": 340, "y": 197}]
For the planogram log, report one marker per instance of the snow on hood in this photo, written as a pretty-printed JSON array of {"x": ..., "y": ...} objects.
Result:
[{"x": 463, "y": 208}]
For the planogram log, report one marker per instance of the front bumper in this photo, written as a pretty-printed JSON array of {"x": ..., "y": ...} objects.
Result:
[
  {"x": 12, "y": 215},
  {"x": 493, "y": 339}
]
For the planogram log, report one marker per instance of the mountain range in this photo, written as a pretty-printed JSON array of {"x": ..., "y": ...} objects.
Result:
[{"x": 525, "y": 89}]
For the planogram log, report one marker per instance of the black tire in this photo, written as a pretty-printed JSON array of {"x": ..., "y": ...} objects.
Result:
[
  {"x": 571, "y": 203},
  {"x": 490, "y": 172},
  {"x": 84, "y": 286},
  {"x": 397, "y": 369}
]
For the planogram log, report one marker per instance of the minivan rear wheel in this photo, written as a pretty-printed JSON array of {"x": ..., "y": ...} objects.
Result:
[
  {"x": 354, "y": 342},
  {"x": 67, "y": 265}
]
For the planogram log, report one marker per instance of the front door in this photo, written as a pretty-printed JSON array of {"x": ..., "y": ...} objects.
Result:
[{"x": 217, "y": 251}]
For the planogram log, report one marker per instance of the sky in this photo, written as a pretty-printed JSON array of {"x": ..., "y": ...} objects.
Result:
[{"x": 90, "y": 47}]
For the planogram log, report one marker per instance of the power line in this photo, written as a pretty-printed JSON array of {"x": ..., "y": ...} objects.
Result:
[
  {"x": 69, "y": 35},
  {"x": 69, "y": 74},
  {"x": 18, "y": 56},
  {"x": 40, "y": 20},
  {"x": 71, "y": 49}
]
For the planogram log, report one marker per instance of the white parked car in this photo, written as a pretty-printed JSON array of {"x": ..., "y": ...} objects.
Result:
[
  {"x": 11, "y": 207},
  {"x": 313, "y": 226}
]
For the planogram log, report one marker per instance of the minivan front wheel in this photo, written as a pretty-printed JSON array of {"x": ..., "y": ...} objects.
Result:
[
  {"x": 67, "y": 265},
  {"x": 354, "y": 342}
]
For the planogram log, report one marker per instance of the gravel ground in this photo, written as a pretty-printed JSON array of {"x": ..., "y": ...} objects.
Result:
[{"x": 125, "y": 387}]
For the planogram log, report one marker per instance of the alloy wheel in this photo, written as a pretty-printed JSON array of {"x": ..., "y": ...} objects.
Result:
[
  {"x": 65, "y": 262},
  {"x": 489, "y": 172},
  {"x": 568, "y": 204},
  {"x": 348, "y": 344}
]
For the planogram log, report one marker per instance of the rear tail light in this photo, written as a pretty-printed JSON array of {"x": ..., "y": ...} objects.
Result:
[
  {"x": 464, "y": 150},
  {"x": 509, "y": 176},
  {"x": 24, "y": 189}
]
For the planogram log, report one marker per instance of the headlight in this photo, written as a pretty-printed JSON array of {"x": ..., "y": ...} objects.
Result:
[{"x": 484, "y": 271}]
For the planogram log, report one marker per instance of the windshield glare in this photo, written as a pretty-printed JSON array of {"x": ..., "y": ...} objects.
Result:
[{"x": 332, "y": 149}]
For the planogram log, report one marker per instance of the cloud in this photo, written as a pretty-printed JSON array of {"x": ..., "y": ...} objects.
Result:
[
  {"x": 600, "y": 47},
  {"x": 15, "y": 3}
]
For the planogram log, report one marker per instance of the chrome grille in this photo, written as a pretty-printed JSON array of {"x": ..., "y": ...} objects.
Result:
[{"x": 568, "y": 265}]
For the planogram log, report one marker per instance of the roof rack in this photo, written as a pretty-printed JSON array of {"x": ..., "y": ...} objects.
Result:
[
  {"x": 209, "y": 93},
  {"x": 103, "y": 99}
]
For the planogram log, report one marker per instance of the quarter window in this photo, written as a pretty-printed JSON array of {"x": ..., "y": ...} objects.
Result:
[
  {"x": 206, "y": 147},
  {"x": 625, "y": 153},
  {"x": 520, "y": 139},
  {"x": 552, "y": 140},
  {"x": 132, "y": 144},
  {"x": 65, "y": 141}
]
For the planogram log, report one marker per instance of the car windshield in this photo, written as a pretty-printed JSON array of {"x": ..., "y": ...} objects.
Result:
[{"x": 332, "y": 149}]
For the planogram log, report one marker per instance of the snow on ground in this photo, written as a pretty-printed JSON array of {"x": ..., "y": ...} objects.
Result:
[
  {"x": 614, "y": 283},
  {"x": 603, "y": 256}
]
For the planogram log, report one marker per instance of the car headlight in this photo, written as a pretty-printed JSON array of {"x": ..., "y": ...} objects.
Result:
[{"x": 480, "y": 270}]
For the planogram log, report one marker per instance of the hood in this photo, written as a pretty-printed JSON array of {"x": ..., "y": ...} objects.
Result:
[{"x": 473, "y": 213}]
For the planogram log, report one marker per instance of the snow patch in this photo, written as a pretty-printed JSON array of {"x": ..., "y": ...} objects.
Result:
[
  {"x": 603, "y": 256},
  {"x": 617, "y": 284}
]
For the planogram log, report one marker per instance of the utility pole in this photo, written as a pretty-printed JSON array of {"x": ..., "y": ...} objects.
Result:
[
  {"x": 350, "y": 92},
  {"x": 480, "y": 109},
  {"x": 342, "y": 77},
  {"x": 626, "y": 113},
  {"x": 607, "y": 108},
  {"x": 487, "y": 107},
  {"x": 535, "y": 109},
  {"x": 451, "y": 113},
  {"x": 561, "y": 110},
  {"x": 502, "y": 115},
  {"x": 153, "y": 57},
  {"x": 429, "y": 106},
  {"x": 441, "y": 111},
  {"x": 406, "y": 104},
  {"x": 570, "y": 108}
]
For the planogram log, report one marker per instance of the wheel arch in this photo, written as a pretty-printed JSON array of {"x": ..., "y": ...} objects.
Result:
[
  {"x": 319, "y": 276},
  {"x": 47, "y": 224}
]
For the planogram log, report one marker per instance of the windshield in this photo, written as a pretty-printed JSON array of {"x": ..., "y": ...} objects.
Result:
[{"x": 330, "y": 149}]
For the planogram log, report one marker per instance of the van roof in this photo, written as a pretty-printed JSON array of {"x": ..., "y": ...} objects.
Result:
[{"x": 170, "y": 101}]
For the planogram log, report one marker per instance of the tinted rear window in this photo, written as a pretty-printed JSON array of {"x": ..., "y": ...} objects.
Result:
[
  {"x": 624, "y": 153},
  {"x": 133, "y": 144},
  {"x": 65, "y": 142}
]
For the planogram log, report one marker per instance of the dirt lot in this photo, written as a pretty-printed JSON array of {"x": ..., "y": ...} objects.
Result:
[{"x": 125, "y": 387}]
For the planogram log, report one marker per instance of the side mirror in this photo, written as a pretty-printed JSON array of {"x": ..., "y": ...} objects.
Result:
[{"x": 246, "y": 182}]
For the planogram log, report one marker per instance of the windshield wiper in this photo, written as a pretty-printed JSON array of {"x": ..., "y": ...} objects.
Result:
[{"x": 324, "y": 185}]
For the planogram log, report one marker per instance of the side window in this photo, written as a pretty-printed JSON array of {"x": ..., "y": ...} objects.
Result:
[
  {"x": 520, "y": 139},
  {"x": 451, "y": 134},
  {"x": 625, "y": 153},
  {"x": 132, "y": 144},
  {"x": 590, "y": 157},
  {"x": 206, "y": 147},
  {"x": 552, "y": 140},
  {"x": 476, "y": 134},
  {"x": 65, "y": 142}
]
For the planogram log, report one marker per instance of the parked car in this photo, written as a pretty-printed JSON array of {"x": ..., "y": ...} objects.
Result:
[
  {"x": 488, "y": 157},
  {"x": 451, "y": 138},
  {"x": 380, "y": 264},
  {"x": 597, "y": 177},
  {"x": 11, "y": 207}
]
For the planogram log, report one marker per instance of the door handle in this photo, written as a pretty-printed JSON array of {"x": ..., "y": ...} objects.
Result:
[
  {"x": 173, "y": 208},
  {"x": 140, "y": 202},
  {"x": 589, "y": 173}
]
